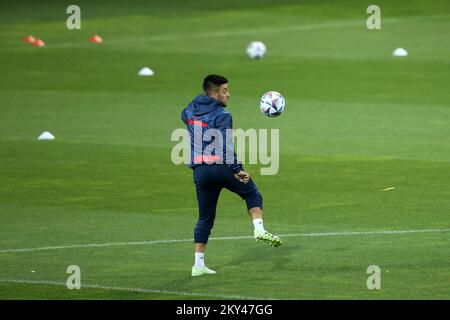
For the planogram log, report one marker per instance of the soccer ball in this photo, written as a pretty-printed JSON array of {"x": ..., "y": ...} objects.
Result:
[
  {"x": 256, "y": 50},
  {"x": 272, "y": 104}
]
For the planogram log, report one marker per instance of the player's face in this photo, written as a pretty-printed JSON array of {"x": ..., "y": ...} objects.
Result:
[{"x": 224, "y": 94}]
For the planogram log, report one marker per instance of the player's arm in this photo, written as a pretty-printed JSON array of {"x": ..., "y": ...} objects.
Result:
[{"x": 223, "y": 122}]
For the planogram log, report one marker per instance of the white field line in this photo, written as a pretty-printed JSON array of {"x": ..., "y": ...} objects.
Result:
[
  {"x": 256, "y": 31},
  {"x": 150, "y": 242},
  {"x": 140, "y": 290}
]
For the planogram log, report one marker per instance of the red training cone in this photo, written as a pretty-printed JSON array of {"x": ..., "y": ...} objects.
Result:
[
  {"x": 29, "y": 39},
  {"x": 96, "y": 39}
]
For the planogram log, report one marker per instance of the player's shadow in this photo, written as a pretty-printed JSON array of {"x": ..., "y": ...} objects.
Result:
[
  {"x": 278, "y": 257},
  {"x": 256, "y": 255}
]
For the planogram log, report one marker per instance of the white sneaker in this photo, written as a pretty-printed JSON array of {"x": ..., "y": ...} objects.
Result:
[
  {"x": 267, "y": 237},
  {"x": 199, "y": 271}
]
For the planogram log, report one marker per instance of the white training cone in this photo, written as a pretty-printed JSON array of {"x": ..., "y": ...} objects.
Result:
[
  {"x": 46, "y": 136},
  {"x": 400, "y": 52},
  {"x": 146, "y": 72}
]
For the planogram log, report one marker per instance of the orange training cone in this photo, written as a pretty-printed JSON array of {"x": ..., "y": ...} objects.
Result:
[
  {"x": 96, "y": 39},
  {"x": 29, "y": 39},
  {"x": 38, "y": 43}
]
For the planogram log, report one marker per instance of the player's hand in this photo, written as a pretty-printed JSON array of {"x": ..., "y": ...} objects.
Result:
[{"x": 242, "y": 176}]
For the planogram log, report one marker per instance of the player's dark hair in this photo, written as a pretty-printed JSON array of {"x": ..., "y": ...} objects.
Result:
[{"x": 213, "y": 82}]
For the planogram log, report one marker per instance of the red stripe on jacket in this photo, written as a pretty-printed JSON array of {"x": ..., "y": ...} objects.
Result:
[
  {"x": 197, "y": 123},
  {"x": 206, "y": 159}
]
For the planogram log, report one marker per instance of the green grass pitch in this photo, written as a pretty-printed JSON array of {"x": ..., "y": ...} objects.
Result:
[{"x": 357, "y": 121}]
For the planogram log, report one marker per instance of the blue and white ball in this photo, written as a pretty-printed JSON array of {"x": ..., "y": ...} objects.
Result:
[{"x": 272, "y": 104}]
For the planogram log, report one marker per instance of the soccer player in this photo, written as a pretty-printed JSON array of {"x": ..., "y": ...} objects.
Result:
[{"x": 215, "y": 171}]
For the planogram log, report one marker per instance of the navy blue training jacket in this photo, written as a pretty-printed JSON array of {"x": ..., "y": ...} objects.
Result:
[{"x": 205, "y": 113}]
